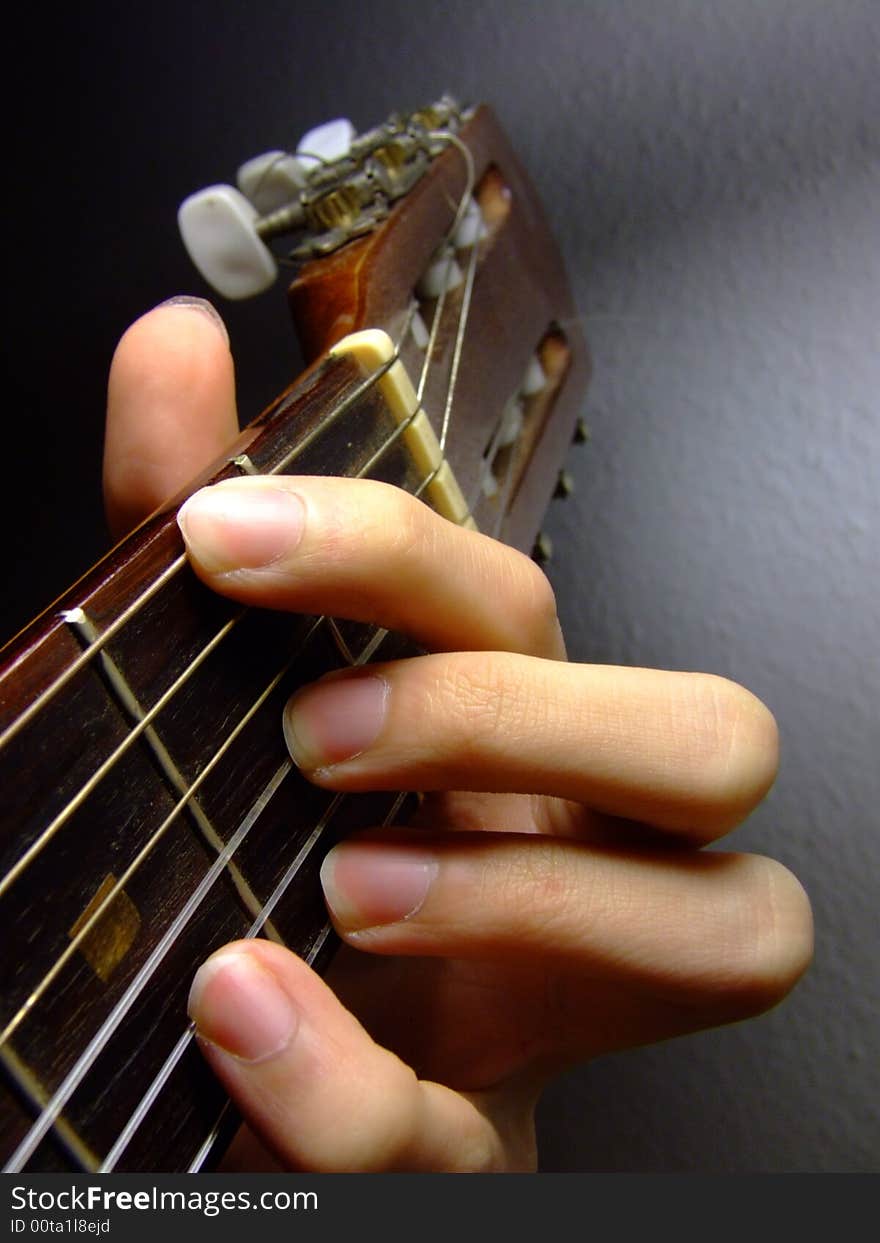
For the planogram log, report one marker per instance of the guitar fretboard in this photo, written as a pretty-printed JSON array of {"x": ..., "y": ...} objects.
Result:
[{"x": 152, "y": 814}]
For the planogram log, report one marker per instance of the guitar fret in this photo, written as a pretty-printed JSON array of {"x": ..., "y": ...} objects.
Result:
[
  {"x": 36, "y": 1096},
  {"x": 154, "y": 839},
  {"x": 202, "y": 1155},
  {"x": 27, "y": 715},
  {"x": 170, "y": 770},
  {"x": 340, "y": 384},
  {"x": 170, "y": 1063},
  {"x": 116, "y": 886},
  {"x": 130, "y": 996},
  {"x": 85, "y": 1062}
]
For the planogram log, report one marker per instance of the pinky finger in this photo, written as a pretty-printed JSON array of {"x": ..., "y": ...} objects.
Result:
[{"x": 319, "y": 1092}]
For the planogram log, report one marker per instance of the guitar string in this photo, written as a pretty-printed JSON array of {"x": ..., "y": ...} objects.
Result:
[
  {"x": 76, "y": 941},
  {"x": 100, "y": 910},
  {"x": 265, "y": 914},
  {"x": 147, "y": 848},
  {"x": 162, "y": 1076},
  {"x": 183, "y": 1042},
  {"x": 151, "y": 1095},
  {"x": 463, "y": 205},
  {"x": 89, "y": 1055},
  {"x": 115, "y": 756},
  {"x": 109, "y": 763},
  {"x": 466, "y": 297},
  {"x": 206, "y": 1147},
  {"x": 85, "y": 656},
  {"x": 81, "y": 1067},
  {"x": 96, "y": 645},
  {"x": 90, "y": 652},
  {"x": 72, "y": 1080},
  {"x": 204, "y": 1150},
  {"x": 53, "y": 1108},
  {"x": 371, "y": 647}
]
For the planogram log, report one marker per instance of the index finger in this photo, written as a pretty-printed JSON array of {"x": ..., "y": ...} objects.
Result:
[{"x": 369, "y": 552}]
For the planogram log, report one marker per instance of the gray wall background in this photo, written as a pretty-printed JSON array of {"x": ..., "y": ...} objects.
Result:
[{"x": 711, "y": 170}]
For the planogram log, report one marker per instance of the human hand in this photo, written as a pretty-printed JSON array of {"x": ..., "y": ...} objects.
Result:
[{"x": 506, "y": 935}]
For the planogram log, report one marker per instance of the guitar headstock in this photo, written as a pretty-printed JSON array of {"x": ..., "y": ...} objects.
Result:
[{"x": 428, "y": 229}]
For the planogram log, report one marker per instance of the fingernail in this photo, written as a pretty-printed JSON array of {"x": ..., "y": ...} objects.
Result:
[
  {"x": 371, "y": 884},
  {"x": 239, "y": 1006},
  {"x": 335, "y": 720},
  {"x": 190, "y": 303},
  {"x": 233, "y": 527}
]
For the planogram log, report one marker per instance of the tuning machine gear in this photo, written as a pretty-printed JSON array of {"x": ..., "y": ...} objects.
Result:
[{"x": 338, "y": 185}]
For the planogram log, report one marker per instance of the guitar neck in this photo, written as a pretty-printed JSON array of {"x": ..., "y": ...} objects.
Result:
[{"x": 151, "y": 813}]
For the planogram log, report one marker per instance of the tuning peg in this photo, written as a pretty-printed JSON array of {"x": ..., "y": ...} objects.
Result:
[
  {"x": 225, "y": 237},
  {"x": 542, "y": 550},
  {"x": 581, "y": 433},
  {"x": 564, "y": 485},
  {"x": 225, "y": 230},
  {"x": 326, "y": 143},
  {"x": 271, "y": 180}
]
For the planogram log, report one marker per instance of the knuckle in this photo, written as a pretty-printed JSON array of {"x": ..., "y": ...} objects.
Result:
[
  {"x": 487, "y": 697},
  {"x": 400, "y": 521},
  {"x": 536, "y": 611},
  {"x": 383, "y": 1123}
]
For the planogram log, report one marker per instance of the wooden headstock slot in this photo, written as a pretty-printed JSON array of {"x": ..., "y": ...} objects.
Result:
[{"x": 520, "y": 291}]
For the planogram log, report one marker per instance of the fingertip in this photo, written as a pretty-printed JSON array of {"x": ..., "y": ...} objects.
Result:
[
  {"x": 170, "y": 407},
  {"x": 371, "y": 884},
  {"x": 240, "y": 1007},
  {"x": 201, "y": 306},
  {"x": 242, "y": 524}
]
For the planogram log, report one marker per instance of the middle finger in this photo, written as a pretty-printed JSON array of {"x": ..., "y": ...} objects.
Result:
[{"x": 687, "y": 753}]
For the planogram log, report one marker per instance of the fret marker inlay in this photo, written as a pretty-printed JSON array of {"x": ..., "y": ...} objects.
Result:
[{"x": 107, "y": 943}]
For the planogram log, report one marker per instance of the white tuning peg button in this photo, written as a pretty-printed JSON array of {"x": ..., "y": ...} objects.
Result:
[
  {"x": 327, "y": 142},
  {"x": 271, "y": 180},
  {"x": 218, "y": 227}
]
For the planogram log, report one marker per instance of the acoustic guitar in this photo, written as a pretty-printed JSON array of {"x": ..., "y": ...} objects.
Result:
[{"x": 150, "y": 812}]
